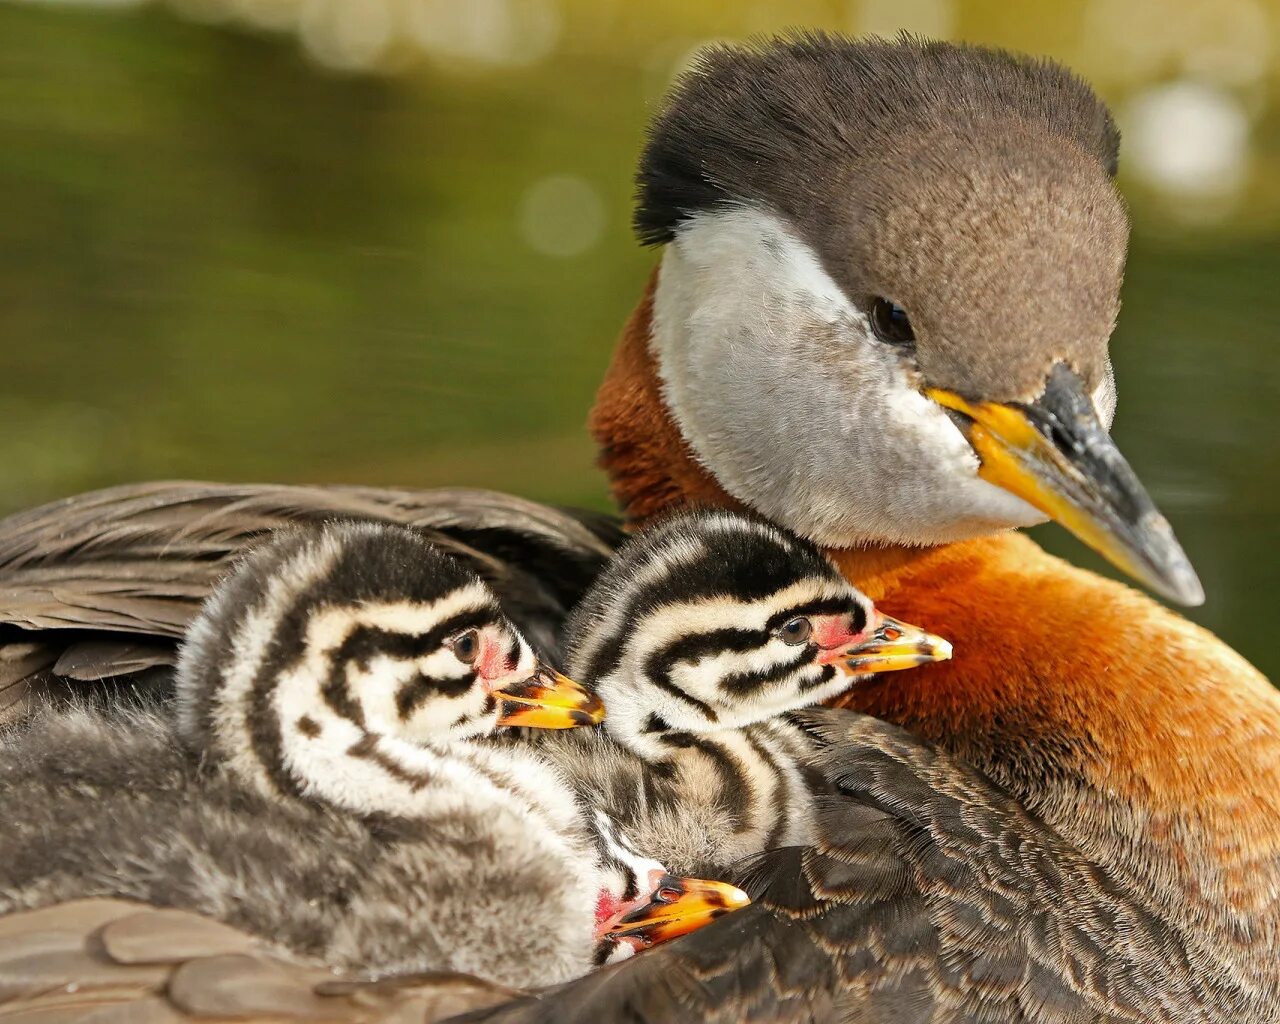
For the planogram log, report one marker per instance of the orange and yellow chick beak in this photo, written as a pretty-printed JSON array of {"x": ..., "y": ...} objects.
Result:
[
  {"x": 1057, "y": 456},
  {"x": 890, "y": 647},
  {"x": 548, "y": 700},
  {"x": 676, "y": 907}
]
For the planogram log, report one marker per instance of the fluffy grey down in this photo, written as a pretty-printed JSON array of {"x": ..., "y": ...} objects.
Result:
[{"x": 117, "y": 807}]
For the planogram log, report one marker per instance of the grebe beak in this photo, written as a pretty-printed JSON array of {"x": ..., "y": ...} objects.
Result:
[
  {"x": 549, "y": 700},
  {"x": 676, "y": 907},
  {"x": 892, "y": 646},
  {"x": 1056, "y": 455}
]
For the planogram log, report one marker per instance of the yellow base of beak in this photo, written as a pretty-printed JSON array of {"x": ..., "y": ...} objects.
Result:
[
  {"x": 893, "y": 646},
  {"x": 1056, "y": 456},
  {"x": 549, "y": 700},
  {"x": 677, "y": 907}
]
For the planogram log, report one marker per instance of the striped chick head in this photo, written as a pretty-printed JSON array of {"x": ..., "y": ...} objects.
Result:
[
  {"x": 716, "y": 620},
  {"x": 334, "y": 637}
]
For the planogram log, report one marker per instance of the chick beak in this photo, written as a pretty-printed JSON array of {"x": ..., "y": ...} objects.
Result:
[
  {"x": 1054, "y": 453},
  {"x": 676, "y": 907},
  {"x": 890, "y": 647},
  {"x": 548, "y": 700}
]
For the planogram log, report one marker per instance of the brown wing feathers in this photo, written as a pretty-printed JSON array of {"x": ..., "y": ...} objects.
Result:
[
  {"x": 931, "y": 896},
  {"x": 102, "y": 584},
  {"x": 127, "y": 963}
]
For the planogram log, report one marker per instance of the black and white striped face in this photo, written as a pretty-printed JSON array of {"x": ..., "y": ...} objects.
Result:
[
  {"x": 321, "y": 641},
  {"x": 715, "y": 620},
  {"x": 627, "y": 878},
  {"x": 418, "y": 670},
  {"x": 641, "y": 904}
]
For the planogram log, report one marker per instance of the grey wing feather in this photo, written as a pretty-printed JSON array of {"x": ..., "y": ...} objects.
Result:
[
  {"x": 931, "y": 895},
  {"x": 91, "y": 660},
  {"x": 23, "y": 665},
  {"x": 138, "y": 560},
  {"x": 106, "y": 961},
  {"x": 755, "y": 965}
]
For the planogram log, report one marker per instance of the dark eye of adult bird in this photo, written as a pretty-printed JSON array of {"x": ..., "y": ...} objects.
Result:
[{"x": 891, "y": 323}]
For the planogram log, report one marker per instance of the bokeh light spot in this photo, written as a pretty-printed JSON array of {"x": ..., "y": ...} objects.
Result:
[
  {"x": 511, "y": 32},
  {"x": 1188, "y": 138},
  {"x": 346, "y": 36},
  {"x": 562, "y": 215}
]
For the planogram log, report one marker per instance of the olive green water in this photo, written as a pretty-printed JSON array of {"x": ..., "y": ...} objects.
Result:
[{"x": 219, "y": 261}]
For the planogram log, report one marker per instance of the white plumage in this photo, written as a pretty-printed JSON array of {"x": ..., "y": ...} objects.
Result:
[{"x": 744, "y": 313}]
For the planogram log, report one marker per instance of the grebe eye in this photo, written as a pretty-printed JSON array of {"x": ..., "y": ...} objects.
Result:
[
  {"x": 466, "y": 646},
  {"x": 796, "y": 631},
  {"x": 890, "y": 322}
]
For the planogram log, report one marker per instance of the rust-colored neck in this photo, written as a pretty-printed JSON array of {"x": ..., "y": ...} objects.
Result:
[
  {"x": 1068, "y": 689},
  {"x": 651, "y": 468}
]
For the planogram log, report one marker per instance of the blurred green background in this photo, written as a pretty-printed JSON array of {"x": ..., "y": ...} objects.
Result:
[{"x": 387, "y": 241}]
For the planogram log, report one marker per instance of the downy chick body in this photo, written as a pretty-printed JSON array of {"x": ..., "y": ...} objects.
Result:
[
  {"x": 700, "y": 635},
  {"x": 324, "y": 783}
]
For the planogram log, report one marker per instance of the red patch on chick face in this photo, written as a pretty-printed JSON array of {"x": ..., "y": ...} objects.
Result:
[
  {"x": 835, "y": 633},
  {"x": 494, "y": 661},
  {"x": 607, "y": 907}
]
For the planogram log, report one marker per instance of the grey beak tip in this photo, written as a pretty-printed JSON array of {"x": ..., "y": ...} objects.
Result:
[
  {"x": 1186, "y": 589},
  {"x": 1172, "y": 575}
]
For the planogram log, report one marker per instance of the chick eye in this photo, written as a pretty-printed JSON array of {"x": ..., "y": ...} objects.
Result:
[
  {"x": 466, "y": 646},
  {"x": 796, "y": 631},
  {"x": 890, "y": 322}
]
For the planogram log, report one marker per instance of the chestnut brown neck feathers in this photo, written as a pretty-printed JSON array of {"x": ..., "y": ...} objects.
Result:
[
  {"x": 650, "y": 466},
  {"x": 1139, "y": 736}
]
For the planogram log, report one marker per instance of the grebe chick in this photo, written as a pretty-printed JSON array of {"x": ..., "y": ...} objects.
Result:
[
  {"x": 325, "y": 783},
  {"x": 700, "y": 635}
]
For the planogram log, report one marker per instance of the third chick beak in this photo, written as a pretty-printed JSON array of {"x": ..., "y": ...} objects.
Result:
[
  {"x": 891, "y": 646},
  {"x": 548, "y": 700},
  {"x": 676, "y": 907}
]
